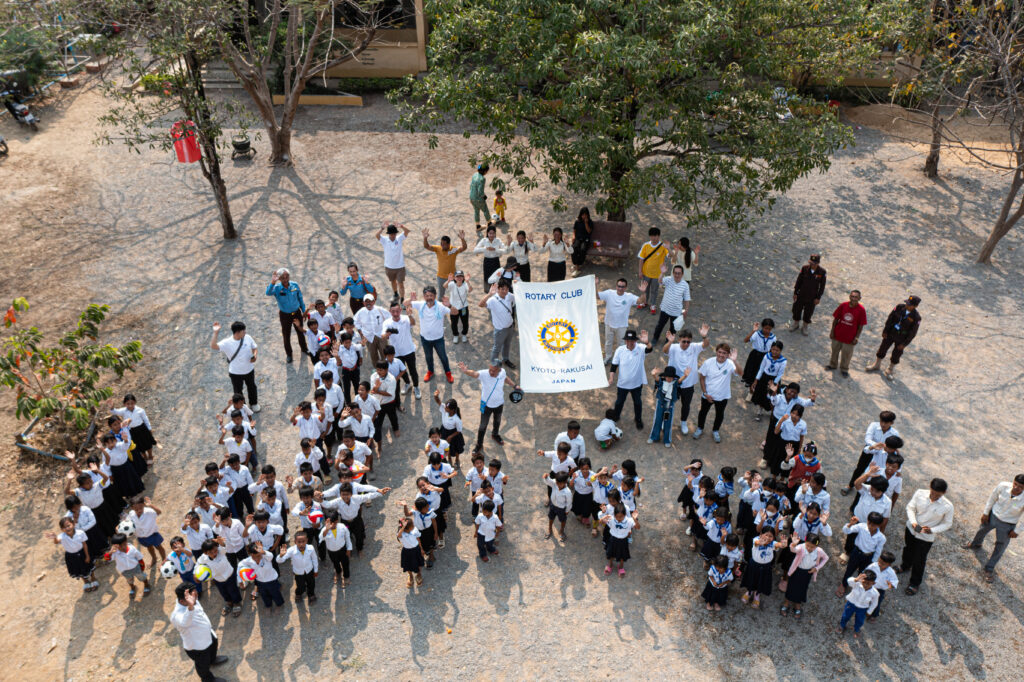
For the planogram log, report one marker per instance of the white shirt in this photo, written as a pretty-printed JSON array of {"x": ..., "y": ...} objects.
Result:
[
  {"x": 369, "y": 407},
  {"x": 309, "y": 427},
  {"x": 860, "y": 597},
  {"x": 490, "y": 388},
  {"x": 557, "y": 251},
  {"x": 718, "y": 378},
  {"x": 783, "y": 406},
  {"x": 560, "y": 497},
  {"x": 938, "y": 515},
  {"x": 617, "y": 308},
  {"x": 431, "y": 319},
  {"x": 491, "y": 248},
  {"x": 313, "y": 459},
  {"x": 232, "y": 534},
  {"x": 606, "y": 429},
  {"x": 437, "y": 476},
  {"x": 410, "y": 540},
  {"x": 304, "y": 521},
  {"x": 501, "y": 310},
  {"x": 771, "y": 368},
  {"x": 865, "y": 541},
  {"x": 194, "y": 626},
  {"x": 497, "y": 499},
  {"x": 86, "y": 519},
  {"x": 242, "y": 364},
  {"x": 324, "y": 322},
  {"x": 423, "y": 521},
  {"x": 396, "y": 367},
  {"x": 206, "y": 515},
  {"x": 330, "y": 366},
  {"x": 394, "y": 258},
  {"x": 488, "y": 526},
  {"x": 498, "y": 482},
  {"x": 369, "y": 323},
  {"x": 135, "y": 417},
  {"x": 867, "y": 504},
  {"x": 557, "y": 466},
  {"x": 895, "y": 485},
  {"x": 522, "y": 251},
  {"x": 822, "y": 497},
  {"x": 265, "y": 571},
  {"x": 685, "y": 358},
  {"x": 93, "y": 497},
  {"x": 673, "y": 295},
  {"x": 350, "y": 510},
  {"x": 360, "y": 429},
  {"x": 282, "y": 492},
  {"x": 886, "y": 579},
  {"x": 303, "y": 560},
  {"x": 335, "y": 396},
  {"x": 452, "y": 422},
  {"x": 265, "y": 537},
  {"x": 762, "y": 343},
  {"x": 619, "y": 529},
  {"x": 125, "y": 561},
  {"x": 220, "y": 567},
  {"x": 194, "y": 537},
  {"x": 337, "y": 538},
  {"x": 875, "y": 434},
  {"x": 145, "y": 525},
  {"x": 584, "y": 485},
  {"x": 402, "y": 341},
  {"x": 458, "y": 296},
  {"x": 1005, "y": 507},
  {"x": 385, "y": 383},
  {"x": 577, "y": 446},
  {"x": 793, "y": 432},
  {"x": 630, "y": 363},
  {"x": 242, "y": 449},
  {"x": 475, "y": 477},
  {"x": 74, "y": 542},
  {"x": 511, "y": 275},
  {"x": 119, "y": 453}
]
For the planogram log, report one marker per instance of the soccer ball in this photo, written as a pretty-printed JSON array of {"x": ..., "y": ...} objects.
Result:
[
  {"x": 168, "y": 570},
  {"x": 126, "y": 527},
  {"x": 247, "y": 575},
  {"x": 202, "y": 573},
  {"x": 316, "y": 516}
]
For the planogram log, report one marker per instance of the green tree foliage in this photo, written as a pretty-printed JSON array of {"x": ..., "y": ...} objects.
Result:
[{"x": 635, "y": 101}]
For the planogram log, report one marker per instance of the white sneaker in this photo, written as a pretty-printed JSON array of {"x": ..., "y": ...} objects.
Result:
[
  {"x": 405, "y": 388},
  {"x": 455, "y": 339},
  {"x": 650, "y": 440},
  {"x": 463, "y": 338},
  {"x": 256, "y": 408},
  {"x": 697, "y": 434},
  {"x": 416, "y": 392},
  {"x": 682, "y": 517},
  {"x": 718, "y": 438},
  {"x": 668, "y": 445},
  {"x": 685, "y": 428}
]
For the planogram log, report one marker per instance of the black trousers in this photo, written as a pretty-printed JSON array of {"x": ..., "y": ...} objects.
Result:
[
  {"x": 897, "y": 353},
  {"x": 862, "y": 465},
  {"x": 705, "y": 407},
  {"x": 410, "y": 363},
  {"x": 663, "y": 319},
  {"x": 305, "y": 584},
  {"x": 287, "y": 325},
  {"x": 484, "y": 418},
  {"x": 349, "y": 382},
  {"x": 803, "y": 309},
  {"x": 915, "y": 556},
  {"x": 203, "y": 659},
  {"x": 556, "y": 271},
  {"x": 620, "y": 401},
  {"x": 524, "y": 272},
  {"x": 685, "y": 398},
  {"x": 389, "y": 410},
  {"x": 340, "y": 561},
  {"x": 358, "y": 530},
  {"x": 463, "y": 317},
  {"x": 249, "y": 380}
]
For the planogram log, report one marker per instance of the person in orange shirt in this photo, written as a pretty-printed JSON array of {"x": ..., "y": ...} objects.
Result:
[
  {"x": 445, "y": 256},
  {"x": 651, "y": 256}
]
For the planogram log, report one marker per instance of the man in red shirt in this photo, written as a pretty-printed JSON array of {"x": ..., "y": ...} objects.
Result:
[{"x": 847, "y": 322}]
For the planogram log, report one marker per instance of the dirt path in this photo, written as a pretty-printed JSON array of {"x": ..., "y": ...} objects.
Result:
[{"x": 99, "y": 224}]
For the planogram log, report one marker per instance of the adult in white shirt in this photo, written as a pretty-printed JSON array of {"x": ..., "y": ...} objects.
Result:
[
  {"x": 1004, "y": 513},
  {"x": 629, "y": 373},
  {"x": 928, "y": 514},
  {"x": 432, "y": 314},
  {"x": 197, "y": 635},
  {"x": 492, "y": 248},
  {"x": 394, "y": 258},
  {"x": 240, "y": 351},
  {"x": 492, "y": 400},
  {"x": 458, "y": 300},
  {"x": 618, "y": 303},
  {"x": 369, "y": 321},
  {"x": 675, "y": 301},
  {"x": 716, "y": 387},
  {"x": 501, "y": 302},
  {"x": 684, "y": 355},
  {"x": 521, "y": 248},
  {"x": 558, "y": 251},
  {"x": 874, "y": 446},
  {"x": 398, "y": 333}
]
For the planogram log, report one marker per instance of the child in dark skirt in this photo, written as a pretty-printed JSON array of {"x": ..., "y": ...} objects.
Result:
[
  {"x": 717, "y": 529},
  {"x": 583, "y": 491},
  {"x": 138, "y": 426},
  {"x": 707, "y": 503},
  {"x": 614, "y": 501},
  {"x": 85, "y": 521},
  {"x": 451, "y": 426},
  {"x": 423, "y": 520},
  {"x": 716, "y": 592},
  {"x": 807, "y": 561},
  {"x": 693, "y": 476},
  {"x": 619, "y": 525},
  {"x": 412, "y": 553},
  {"x": 767, "y": 378},
  {"x": 76, "y": 553},
  {"x": 757, "y": 580},
  {"x": 760, "y": 339}
]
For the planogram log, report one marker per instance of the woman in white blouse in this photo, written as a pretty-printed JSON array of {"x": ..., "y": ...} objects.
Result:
[{"x": 558, "y": 251}]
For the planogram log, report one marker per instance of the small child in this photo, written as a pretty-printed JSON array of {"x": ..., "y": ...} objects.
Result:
[
  {"x": 499, "y": 481},
  {"x": 717, "y": 529},
  {"x": 886, "y": 580},
  {"x": 237, "y": 444},
  {"x": 432, "y": 495},
  {"x": 412, "y": 553},
  {"x": 807, "y": 562},
  {"x": 603, "y": 487},
  {"x": 666, "y": 393},
  {"x": 138, "y": 426},
  {"x": 439, "y": 473},
  {"x": 85, "y": 521},
  {"x": 559, "y": 502},
  {"x": 488, "y": 525},
  {"x": 716, "y": 592},
  {"x": 435, "y": 444},
  {"x": 451, "y": 427},
  {"x": 338, "y": 541},
  {"x": 692, "y": 471},
  {"x": 725, "y": 486},
  {"x": 867, "y": 546},
  {"x": 304, "y": 566},
  {"x": 561, "y": 462},
  {"x": 734, "y": 553},
  {"x": 128, "y": 560},
  {"x": 423, "y": 520},
  {"x": 185, "y": 563},
  {"x": 583, "y": 491},
  {"x": 476, "y": 475},
  {"x": 485, "y": 493},
  {"x": 607, "y": 433},
  {"x": 143, "y": 514},
  {"x": 499, "y": 205},
  {"x": 229, "y": 534},
  {"x": 223, "y": 573},
  {"x": 76, "y": 553},
  {"x": 757, "y": 579},
  {"x": 267, "y": 584},
  {"x": 619, "y": 525},
  {"x": 863, "y": 598},
  {"x": 195, "y": 531}
]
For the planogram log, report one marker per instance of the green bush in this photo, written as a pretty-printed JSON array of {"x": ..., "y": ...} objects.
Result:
[
  {"x": 28, "y": 51},
  {"x": 155, "y": 82}
]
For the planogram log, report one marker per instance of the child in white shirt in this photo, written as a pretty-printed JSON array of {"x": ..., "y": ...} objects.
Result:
[
  {"x": 76, "y": 553},
  {"x": 607, "y": 433},
  {"x": 128, "y": 560},
  {"x": 488, "y": 525}
]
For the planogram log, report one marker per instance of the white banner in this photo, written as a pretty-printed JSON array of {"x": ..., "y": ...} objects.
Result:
[{"x": 560, "y": 342}]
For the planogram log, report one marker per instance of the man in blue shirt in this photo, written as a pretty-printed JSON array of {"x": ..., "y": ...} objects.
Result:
[{"x": 291, "y": 308}]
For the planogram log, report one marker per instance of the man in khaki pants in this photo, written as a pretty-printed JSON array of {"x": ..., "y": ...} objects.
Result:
[{"x": 848, "y": 319}]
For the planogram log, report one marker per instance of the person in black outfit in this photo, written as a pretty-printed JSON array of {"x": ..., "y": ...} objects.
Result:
[
  {"x": 581, "y": 236},
  {"x": 807, "y": 292},
  {"x": 900, "y": 329}
]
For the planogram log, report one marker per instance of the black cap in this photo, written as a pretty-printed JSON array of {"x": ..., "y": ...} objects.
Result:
[
  {"x": 630, "y": 335},
  {"x": 669, "y": 373},
  {"x": 914, "y": 300},
  {"x": 392, "y": 229},
  {"x": 815, "y": 257},
  {"x": 515, "y": 396}
]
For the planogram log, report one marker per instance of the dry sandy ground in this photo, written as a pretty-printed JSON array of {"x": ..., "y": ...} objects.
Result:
[{"x": 83, "y": 223}]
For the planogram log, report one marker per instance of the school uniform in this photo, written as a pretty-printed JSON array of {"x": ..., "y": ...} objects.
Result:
[
  {"x": 804, "y": 498},
  {"x": 234, "y": 543},
  {"x": 486, "y": 531},
  {"x": 388, "y": 403},
  {"x": 760, "y": 345},
  {"x": 266, "y": 579},
  {"x": 441, "y": 447},
  {"x": 451, "y": 431},
  {"x": 475, "y": 477},
  {"x": 140, "y": 430},
  {"x": 96, "y": 499},
  {"x": 412, "y": 555},
  {"x": 866, "y": 548},
  {"x": 716, "y": 591},
  {"x": 800, "y": 576},
  {"x": 185, "y": 565},
  {"x": 330, "y": 366},
  {"x": 558, "y": 466},
  {"x": 559, "y": 502},
  {"x": 735, "y": 557},
  {"x": 240, "y": 480},
  {"x": 702, "y": 515},
  {"x": 714, "y": 538},
  {"x": 780, "y": 406},
  {"x": 583, "y": 494},
  {"x": 145, "y": 527},
  {"x": 494, "y": 497},
  {"x": 338, "y": 542},
  {"x": 351, "y": 514},
  {"x": 770, "y": 370},
  {"x": 74, "y": 554},
  {"x": 86, "y": 522},
  {"x": 858, "y": 603},
  {"x": 557, "y": 251},
  {"x": 304, "y": 568},
  {"x": 605, "y": 431},
  {"x": 312, "y": 529},
  {"x": 126, "y": 479},
  {"x": 425, "y": 524},
  {"x": 866, "y": 503},
  {"x": 789, "y": 434},
  {"x": 759, "y": 574},
  {"x": 600, "y": 497},
  {"x": 244, "y": 450},
  {"x": 129, "y": 564},
  {"x": 439, "y": 478},
  {"x": 222, "y": 571},
  {"x": 724, "y": 489},
  {"x": 266, "y": 537},
  {"x": 869, "y": 455},
  {"x": 885, "y": 580},
  {"x": 617, "y": 545}
]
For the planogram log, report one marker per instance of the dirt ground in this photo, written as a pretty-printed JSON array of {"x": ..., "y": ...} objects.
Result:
[{"x": 83, "y": 223}]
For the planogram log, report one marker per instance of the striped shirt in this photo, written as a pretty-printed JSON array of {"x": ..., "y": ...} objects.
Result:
[{"x": 674, "y": 295}]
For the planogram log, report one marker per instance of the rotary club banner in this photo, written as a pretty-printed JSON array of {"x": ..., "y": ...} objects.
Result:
[{"x": 560, "y": 343}]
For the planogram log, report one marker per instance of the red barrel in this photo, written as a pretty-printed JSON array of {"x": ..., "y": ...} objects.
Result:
[{"x": 185, "y": 144}]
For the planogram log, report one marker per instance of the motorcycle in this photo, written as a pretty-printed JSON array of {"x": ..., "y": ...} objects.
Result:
[{"x": 19, "y": 111}]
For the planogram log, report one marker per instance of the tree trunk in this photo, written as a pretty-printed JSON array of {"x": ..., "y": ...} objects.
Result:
[
  {"x": 1006, "y": 221},
  {"x": 931, "y": 164},
  {"x": 616, "y": 211},
  {"x": 280, "y": 146},
  {"x": 220, "y": 192}
]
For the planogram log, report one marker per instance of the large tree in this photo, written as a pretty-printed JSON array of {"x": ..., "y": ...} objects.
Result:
[{"x": 633, "y": 100}]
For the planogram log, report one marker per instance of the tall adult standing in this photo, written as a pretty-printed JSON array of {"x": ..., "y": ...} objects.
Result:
[
  {"x": 582, "y": 235},
  {"x": 650, "y": 258},
  {"x": 492, "y": 248},
  {"x": 630, "y": 376},
  {"x": 356, "y": 287},
  {"x": 715, "y": 377},
  {"x": 1004, "y": 513},
  {"x": 492, "y": 400},
  {"x": 197, "y": 635},
  {"x": 618, "y": 303},
  {"x": 478, "y": 195},
  {"x": 394, "y": 256},
  {"x": 501, "y": 302},
  {"x": 432, "y": 315},
  {"x": 240, "y": 351},
  {"x": 848, "y": 320},
  {"x": 369, "y": 322},
  {"x": 446, "y": 256},
  {"x": 900, "y": 329},
  {"x": 929, "y": 514},
  {"x": 807, "y": 293},
  {"x": 675, "y": 301},
  {"x": 683, "y": 356},
  {"x": 291, "y": 309},
  {"x": 398, "y": 333}
]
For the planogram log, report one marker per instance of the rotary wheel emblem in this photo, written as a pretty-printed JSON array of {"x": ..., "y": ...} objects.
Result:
[{"x": 557, "y": 336}]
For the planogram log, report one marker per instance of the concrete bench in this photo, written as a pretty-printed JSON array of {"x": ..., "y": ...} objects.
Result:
[{"x": 610, "y": 240}]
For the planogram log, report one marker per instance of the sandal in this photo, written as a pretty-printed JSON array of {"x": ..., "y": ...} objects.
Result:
[
  {"x": 226, "y": 610},
  {"x": 236, "y": 610},
  {"x": 622, "y": 573},
  {"x": 419, "y": 579},
  {"x": 797, "y": 612},
  {"x": 145, "y": 591},
  {"x": 783, "y": 610},
  {"x": 131, "y": 594},
  {"x": 990, "y": 576},
  {"x": 607, "y": 570}
]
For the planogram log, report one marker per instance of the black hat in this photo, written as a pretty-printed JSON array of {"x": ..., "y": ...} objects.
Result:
[
  {"x": 815, "y": 257},
  {"x": 670, "y": 372},
  {"x": 511, "y": 262},
  {"x": 392, "y": 229},
  {"x": 630, "y": 335},
  {"x": 914, "y": 300},
  {"x": 515, "y": 396}
]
